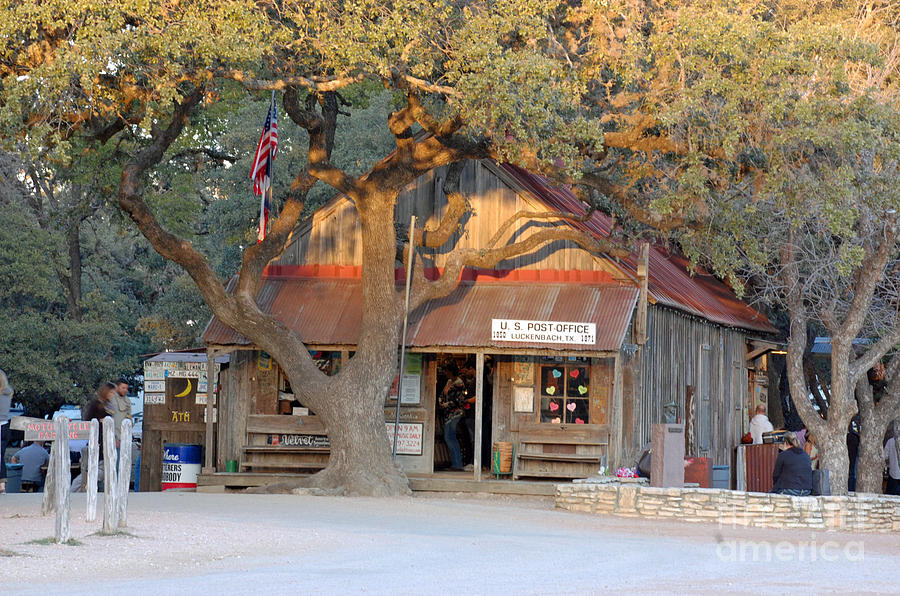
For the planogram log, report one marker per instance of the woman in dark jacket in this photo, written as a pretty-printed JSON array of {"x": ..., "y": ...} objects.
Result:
[{"x": 793, "y": 469}]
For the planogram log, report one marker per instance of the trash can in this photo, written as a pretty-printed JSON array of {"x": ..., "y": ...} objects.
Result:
[
  {"x": 14, "y": 478},
  {"x": 181, "y": 465},
  {"x": 721, "y": 477}
]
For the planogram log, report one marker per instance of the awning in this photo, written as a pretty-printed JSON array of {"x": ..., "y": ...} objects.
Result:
[{"x": 328, "y": 311}]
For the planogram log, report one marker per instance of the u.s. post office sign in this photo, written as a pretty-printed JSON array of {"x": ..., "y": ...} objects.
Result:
[{"x": 547, "y": 332}]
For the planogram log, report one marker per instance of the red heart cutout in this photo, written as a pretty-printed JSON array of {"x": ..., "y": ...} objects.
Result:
[
  {"x": 554, "y": 406},
  {"x": 574, "y": 374},
  {"x": 579, "y": 421}
]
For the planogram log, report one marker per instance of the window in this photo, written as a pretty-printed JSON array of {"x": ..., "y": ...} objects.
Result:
[{"x": 565, "y": 390}]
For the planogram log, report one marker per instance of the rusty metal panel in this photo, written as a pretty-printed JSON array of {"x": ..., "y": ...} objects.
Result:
[
  {"x": 464, "y": 317},
  {"x": 670, "y": 282},
  {"x": 329, "y": 312},
  {"x": 760, "y": 465}
]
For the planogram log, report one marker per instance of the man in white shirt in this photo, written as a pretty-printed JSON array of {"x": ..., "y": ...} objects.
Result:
[
  {"x": 891, "y": 456},
  {"x": 760, "y": 424}
]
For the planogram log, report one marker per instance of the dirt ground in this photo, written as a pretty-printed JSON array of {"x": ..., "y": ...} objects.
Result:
[{"x": 178, "y": 543}]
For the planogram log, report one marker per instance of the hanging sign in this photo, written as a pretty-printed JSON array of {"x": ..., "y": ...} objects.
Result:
[{"x": 548, "y": 332}]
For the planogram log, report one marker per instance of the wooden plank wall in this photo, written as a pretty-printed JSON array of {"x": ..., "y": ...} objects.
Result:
[
  {"x": 670, "y": 362},
  {"x": 235, "y": 407},
  {"x": 333, "y": 238}
]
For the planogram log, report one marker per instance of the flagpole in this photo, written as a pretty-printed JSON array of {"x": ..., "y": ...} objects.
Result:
[{"x": 409, "y": 265}]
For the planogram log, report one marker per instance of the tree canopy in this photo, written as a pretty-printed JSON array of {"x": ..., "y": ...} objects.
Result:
[{"x": 758, "y": 114}]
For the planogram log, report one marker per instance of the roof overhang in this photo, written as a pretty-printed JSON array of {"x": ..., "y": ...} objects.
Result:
[{"x": 328, "y": 311}]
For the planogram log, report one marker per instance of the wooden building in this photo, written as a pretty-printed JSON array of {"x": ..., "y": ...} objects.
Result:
[
  {"x": 576, "y": 355},
  {"x": 175, "y": 406}
]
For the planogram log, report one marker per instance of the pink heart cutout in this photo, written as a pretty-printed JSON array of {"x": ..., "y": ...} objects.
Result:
[
  {"x": 554, "y": 406},
  {"x": 571, "y": 406},
  {"x": 579, "y": 421}
]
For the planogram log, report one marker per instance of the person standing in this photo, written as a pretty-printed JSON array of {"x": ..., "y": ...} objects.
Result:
[
  {"x": 97, "y": 409},
  {"x": 32, "y": 457},
  {"x": 119, "y": 407},
  {"x": 6, "y": 394},
  {"x": 450, "y": 403},
  {"x": 760, "y": 424}
]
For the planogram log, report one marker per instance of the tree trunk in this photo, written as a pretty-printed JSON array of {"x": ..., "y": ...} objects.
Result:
[
  {"x": 351, "y": 403},
  {"x": 833, "y": 457},
  {"x": 873, "y": 421},
  {"x": 870, "y": 465},
  {"x": 360, "y": 462}
]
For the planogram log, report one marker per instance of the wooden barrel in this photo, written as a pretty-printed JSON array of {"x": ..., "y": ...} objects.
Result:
[{"x": 502, "y": 457}]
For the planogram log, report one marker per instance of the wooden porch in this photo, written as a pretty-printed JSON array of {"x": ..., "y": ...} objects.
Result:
[{"x": 453, "y": 482}]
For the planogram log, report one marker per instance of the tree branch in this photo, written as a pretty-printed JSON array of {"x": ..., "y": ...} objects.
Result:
[
  {"x": 457, "y": 205},
  {"x": 319, "y": 163},
  {"x": 488, "y": 258}
]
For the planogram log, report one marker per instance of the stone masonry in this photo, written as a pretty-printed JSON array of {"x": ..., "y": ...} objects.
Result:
[{"x": 860, "y": 513}]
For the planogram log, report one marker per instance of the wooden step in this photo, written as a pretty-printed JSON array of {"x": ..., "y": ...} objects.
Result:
[
  {"x": 562, "y": 457},
  {"x": 259, "y": 465}
]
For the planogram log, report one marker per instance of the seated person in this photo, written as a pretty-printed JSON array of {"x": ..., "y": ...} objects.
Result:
[
  {"x": 793, "y": 469},
  {"x": 32, "y": 457}
]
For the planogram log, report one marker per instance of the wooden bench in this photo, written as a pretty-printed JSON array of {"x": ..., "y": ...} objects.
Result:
[
  {"x": 559, "y": 453},
  {"x": 262, "y": 455}
]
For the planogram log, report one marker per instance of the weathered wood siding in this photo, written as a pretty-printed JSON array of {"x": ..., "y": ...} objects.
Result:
[
  {"x": 682, "y": 352},
  {"x": 333, "y": 236}
]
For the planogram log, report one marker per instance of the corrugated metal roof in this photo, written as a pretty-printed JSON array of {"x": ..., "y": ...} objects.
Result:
[
  {"x": 670, "y": 282},
  {"x": 185, "y": 357},
  {"x": 329, "y": 312}
]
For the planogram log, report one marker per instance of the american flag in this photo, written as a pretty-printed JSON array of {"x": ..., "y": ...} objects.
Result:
[{"x": 261, "y": 172}]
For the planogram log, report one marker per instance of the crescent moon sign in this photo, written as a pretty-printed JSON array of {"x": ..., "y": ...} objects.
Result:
[{"x": 186, "y": 391}]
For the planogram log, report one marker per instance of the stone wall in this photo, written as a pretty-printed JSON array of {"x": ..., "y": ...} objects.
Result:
[{"x": 864, "y": 513}]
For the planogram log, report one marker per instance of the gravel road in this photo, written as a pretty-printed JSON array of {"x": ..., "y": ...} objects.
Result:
[{"x": 189, "y": 543}]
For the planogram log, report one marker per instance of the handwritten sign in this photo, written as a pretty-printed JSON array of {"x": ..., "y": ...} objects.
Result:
[
  {"x": 43, "y": 430},
  {"x": 409, "y": 438}
]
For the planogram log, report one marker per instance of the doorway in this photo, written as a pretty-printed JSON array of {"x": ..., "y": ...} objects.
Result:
[{"x": 455, "y": 413}]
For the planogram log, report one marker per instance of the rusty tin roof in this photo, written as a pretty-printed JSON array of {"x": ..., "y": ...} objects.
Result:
[{"x": 328, "y": 311}]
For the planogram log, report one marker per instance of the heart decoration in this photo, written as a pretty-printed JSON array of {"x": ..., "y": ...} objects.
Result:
[
  {"x": 553, "y": 406},
  {"x": 571, "y": 406},
  {"x": 582, "y": 389},
  {"x": 574, "y": 373},
  {"x": 556, "y": 421},
  {"x": 579, "y": 421},
  {"x": 556, "y": 374},
  {"x": 550, "y": 390}
]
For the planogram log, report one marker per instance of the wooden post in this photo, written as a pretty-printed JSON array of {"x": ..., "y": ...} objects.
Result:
[
  {"x": 110, "y": 510},
  {"x": 124, "y": 471},
  {"x": 643, "y": 271},
  {"x": 210, "y": 377},
  {"x": 49, "y": 500},
  {"x": 89, "y": 471},
  {"x": 479, "y": 420},
  {"x": 62, "y": 478}
]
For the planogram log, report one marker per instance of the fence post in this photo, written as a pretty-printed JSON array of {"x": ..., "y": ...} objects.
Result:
[
  {"x": 124, "y": 471},
  {"x": 89, "y": 471},
  {"x": 63, "y": 478},
  {"x": 48, "y": 501},
  {"x": 110, "y": 508}
]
